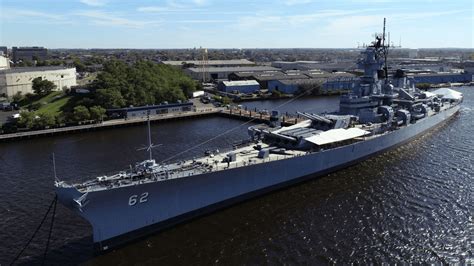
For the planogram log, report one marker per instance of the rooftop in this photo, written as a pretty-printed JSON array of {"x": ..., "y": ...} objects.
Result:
[
  {"x": 33, "y": 69},
  {"x": 211, "y": 62},
  {"x": 233, "y": 69},
  {"x": 241, "y": 83}
]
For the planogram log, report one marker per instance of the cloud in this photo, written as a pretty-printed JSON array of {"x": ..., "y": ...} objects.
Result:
[
  {"x": 296, "y": 2},
  {"x": 175, "y": 6},
  {"x": 274, "y": 21},
  {"x": 109, "y": 19},
  {"x": 94, "y": 2},
  {"x": 33, "y": 17},
  {"x": 11, "y": 13},
  {"x": 165, "y": 9}
]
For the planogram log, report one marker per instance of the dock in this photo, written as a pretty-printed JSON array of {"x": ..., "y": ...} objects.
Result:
[
  {"x": 241, "y": 114},
  {"x": 106, "y": 125},
  {"x": 260, "y": 117}
]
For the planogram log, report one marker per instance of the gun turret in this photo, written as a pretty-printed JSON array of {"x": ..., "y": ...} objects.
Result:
[{"x": 316, "y": 118}]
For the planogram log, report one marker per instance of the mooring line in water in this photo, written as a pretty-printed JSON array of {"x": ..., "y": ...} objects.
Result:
[{"x": 52, "y": 205}]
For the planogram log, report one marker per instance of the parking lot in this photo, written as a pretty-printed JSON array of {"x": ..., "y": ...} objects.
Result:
[{"x": 4, "y": 116}]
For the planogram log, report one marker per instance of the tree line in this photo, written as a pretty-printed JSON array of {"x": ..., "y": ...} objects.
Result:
[{"x": 118, "y": 85}]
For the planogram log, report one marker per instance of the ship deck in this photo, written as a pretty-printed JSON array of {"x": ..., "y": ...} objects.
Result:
[{"x": 245, "y": 156}]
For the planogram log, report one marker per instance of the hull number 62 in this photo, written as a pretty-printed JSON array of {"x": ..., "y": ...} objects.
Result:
[{"x": 134, "y": 199}]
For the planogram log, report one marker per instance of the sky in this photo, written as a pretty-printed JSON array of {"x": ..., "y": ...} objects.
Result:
[{"x": 234, "y": 23}]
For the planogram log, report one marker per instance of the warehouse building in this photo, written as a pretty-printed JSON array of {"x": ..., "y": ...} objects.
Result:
[
  {"x": 222, "y": 73},
  {"x": 240, "y": 86},
  {"x": 264, "y": 78},
  {"x": 20, "y": 79},
  {"x": 211, "y": 63},
  {"x": 437, "y": 78},
  {"x": 339, "y": 84},
  {"x": 327, "y": 83},
  {"x": 309, "y": 65}
]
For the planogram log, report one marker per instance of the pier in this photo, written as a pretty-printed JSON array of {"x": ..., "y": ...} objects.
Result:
[
  {"x": 260, "y": 116},
  {"x": 241, "y": 114},
  {"x": 106, "y": 125}
]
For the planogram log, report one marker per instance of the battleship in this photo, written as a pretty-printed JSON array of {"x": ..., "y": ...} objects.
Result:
[{"x": 381, "y": 112}]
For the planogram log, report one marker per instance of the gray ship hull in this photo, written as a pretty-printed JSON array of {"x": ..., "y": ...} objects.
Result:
[{"x": 169, "y": 202}]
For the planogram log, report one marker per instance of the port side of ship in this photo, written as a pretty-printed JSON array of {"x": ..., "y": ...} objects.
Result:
[
  {"x": 379, "y": 114},
  {"x": 121, "y": 214}
]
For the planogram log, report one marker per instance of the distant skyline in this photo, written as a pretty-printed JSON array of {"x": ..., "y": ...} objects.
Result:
[{"x": 234, "y": 24}]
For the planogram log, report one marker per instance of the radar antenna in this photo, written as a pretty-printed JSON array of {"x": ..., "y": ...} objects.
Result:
[{"x": 385, "y": 52}]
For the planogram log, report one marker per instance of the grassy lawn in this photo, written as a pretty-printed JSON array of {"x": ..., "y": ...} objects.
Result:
[
  {"x": 54, "y": 107},
  {"x": 51, "y": 103}
]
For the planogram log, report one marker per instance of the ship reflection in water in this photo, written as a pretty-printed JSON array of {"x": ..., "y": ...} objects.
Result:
[{"x": 411, "y": 204}]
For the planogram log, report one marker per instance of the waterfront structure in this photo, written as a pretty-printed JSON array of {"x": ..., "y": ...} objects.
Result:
[
  {"x": 144, "y": 111},
  {"x": 239, "y": 86},
  {"x": 149, "y": 196},
  {"x": 29, "y": 53},
  {"x": 20, "y": 79}
]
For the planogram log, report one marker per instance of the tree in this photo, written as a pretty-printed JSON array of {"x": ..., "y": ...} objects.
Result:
[
  {"x": 27, "y": 119},
  {"x": 276, "y": 93},
  {"x": 80, "y": 67},
  {"x": 144, "y": 83},
  {"x": 81, "y": 113},
  {"x": 110, "y": 98},
  {"x": 226, "y": 100},
  {"x": 43, "y": 87},
  {"x": 97, "y": 113},
  {"x": 45, "y": 120},
  {"x": 17, "y": 97}
]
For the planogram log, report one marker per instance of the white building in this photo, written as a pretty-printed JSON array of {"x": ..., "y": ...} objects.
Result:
[
  {"x": 20, "y": 79},
  {"x": 4, "y": 62}
]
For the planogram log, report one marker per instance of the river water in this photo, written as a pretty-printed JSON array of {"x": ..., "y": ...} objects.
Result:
[{"x": 412, "y": 204}]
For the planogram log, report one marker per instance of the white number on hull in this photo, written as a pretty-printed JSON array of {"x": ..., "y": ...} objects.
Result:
[
  {"x": 144, "y": 197},
  {"x": 134, "y": 199}
]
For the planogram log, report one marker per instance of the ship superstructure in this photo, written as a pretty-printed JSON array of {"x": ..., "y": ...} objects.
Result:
[{"x": 380, "y": 113}]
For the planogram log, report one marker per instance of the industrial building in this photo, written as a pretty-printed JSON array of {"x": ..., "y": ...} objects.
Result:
[
  {"x": 327, "y": 82},
  {"x": 309, "y": 65},
  {"x": 143, "y": 111},
  {"x": 20, "y": 79},
  {"x": 437, "y": 78},
  {"x": 264, "y": 78},
  {"x": 241, "y": 86},
  {"x": 222, "y": 73},
  {"x": 29, "y": 53},
  {"x": 211, "y": 63}
]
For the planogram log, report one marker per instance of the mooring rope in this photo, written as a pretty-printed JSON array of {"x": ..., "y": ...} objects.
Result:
[
  {"x": 53, "y": 203},
  {"x": 50, "y": 230}
]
